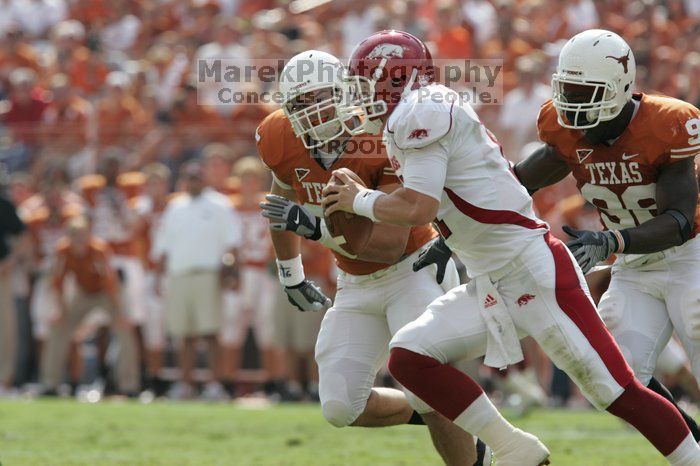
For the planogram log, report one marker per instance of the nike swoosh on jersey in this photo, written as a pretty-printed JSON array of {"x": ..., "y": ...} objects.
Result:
[{"x": 627, "y": 157}]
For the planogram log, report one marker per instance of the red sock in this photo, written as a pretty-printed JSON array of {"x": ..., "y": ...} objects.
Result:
[
  {"x": 444, "y": 388},
  {"x": 654, "y": 416}
]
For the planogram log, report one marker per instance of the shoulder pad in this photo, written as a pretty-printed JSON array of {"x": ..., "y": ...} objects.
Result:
[
  {"x": 547, "y": 123},
  {"x": 420, "y": 122},
  {"x": 270, "y": 137}
]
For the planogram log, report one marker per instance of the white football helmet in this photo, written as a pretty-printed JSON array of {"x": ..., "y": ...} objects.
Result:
[
  {"x": 319, "y": 121},
  {"x": 598, "y": 59}
]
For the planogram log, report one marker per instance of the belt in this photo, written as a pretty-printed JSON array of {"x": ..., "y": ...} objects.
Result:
[{"x": 356, "y": 279}]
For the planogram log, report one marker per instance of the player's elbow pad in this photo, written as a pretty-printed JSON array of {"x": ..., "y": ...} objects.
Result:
[{"x": 685, "y": 228}]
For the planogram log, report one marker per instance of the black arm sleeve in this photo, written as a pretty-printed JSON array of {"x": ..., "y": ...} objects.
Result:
[{"x": 542, "y": 168}]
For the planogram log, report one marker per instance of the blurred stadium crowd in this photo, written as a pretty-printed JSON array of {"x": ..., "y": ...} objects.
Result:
[{"x": 99, "y": 119}]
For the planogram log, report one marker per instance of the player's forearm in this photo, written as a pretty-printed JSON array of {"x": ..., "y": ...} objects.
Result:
[
  {"x": 405, "y": 208},
  {"x": 542, "y": 168},
  {"x": 286, "y": 245},
  {"x": 657, "y": 234},
  {"x": 386, "y": 245}
]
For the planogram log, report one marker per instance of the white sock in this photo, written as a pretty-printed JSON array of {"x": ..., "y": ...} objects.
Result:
[
  {"x": 483, "y": 420},
  {"x": 686, "y": 454}
]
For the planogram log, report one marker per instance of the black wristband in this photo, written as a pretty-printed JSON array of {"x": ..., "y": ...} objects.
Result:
[
  {"x": 626, "y": 237},
  {"x": 684, "y": 226},
  {"x": 316, "y": 235}
]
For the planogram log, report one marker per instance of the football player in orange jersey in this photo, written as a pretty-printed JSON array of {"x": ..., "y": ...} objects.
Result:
[
  {"x": 378, "y": 292},
  {"x": 150, "y": 207},
  {"x": 250, "y": 305},
  {"x": 46, "y": 220},
  {"x": 632, "y": 155}
]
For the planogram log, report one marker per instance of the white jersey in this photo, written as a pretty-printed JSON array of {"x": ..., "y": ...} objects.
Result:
[{"x": 438, "y": 147}]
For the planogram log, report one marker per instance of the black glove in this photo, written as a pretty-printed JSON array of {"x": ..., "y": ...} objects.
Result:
[
  {"x": 306, "y": 296},
  {"x": 590, "y": 247},
  {"x": 286, "y": 215},
  {"x": 439, "y": 254}
]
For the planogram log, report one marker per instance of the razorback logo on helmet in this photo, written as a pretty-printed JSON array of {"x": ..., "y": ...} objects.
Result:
[
  {"x": 419, "y": 133},
  {"x": 386, "y": 51}
]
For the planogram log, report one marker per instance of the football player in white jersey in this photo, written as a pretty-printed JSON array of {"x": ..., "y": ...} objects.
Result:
[{"x": 524, "y": 281}]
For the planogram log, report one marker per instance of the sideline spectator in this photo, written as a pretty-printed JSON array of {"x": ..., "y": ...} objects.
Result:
[
  {"x": 86, "y": 259},
  {"x": 10, "y": 228},
  {"x": 199, "y": 233}
]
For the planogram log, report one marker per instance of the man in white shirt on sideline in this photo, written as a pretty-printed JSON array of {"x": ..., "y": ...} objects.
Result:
[{"x": 196, "y": 241}]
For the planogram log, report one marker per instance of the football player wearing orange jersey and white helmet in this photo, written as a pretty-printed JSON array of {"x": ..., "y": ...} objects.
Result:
[
  {"x": 378, "y": 292},
  {"x": 632, "y": 155}
]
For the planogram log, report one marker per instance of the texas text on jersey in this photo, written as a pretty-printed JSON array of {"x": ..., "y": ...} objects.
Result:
[
  {"x": 620, "y": 178},
  {"x": 294, "y": 167}
]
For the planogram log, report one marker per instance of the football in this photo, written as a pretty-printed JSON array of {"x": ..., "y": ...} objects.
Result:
[{"x": 351, "y": 232}]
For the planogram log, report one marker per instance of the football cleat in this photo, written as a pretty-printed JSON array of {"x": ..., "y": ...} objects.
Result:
[{"x": 524, "y": 450}]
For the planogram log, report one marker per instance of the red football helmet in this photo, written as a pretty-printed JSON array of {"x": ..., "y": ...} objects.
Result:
[{"x": 382, "y": 69}]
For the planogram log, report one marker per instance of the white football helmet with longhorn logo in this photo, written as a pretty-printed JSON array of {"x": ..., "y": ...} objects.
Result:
[
  {"x": 312, "y": 87},
  {"x": 602, "y": 61}
]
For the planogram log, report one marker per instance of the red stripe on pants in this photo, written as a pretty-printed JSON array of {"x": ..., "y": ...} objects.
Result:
[{"x": 572, "y": 299}]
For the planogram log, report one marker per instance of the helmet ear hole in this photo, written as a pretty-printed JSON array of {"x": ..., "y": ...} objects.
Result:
[{"x": 627, "y": 87}]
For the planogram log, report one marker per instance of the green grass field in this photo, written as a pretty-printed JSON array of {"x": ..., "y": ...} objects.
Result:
[{"x": 66, "y": 433}]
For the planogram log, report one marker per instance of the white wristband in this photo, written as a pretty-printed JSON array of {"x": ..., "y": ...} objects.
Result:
[
  {"x": 363, "y": 204},
  {"x": 290, "y": 271}
]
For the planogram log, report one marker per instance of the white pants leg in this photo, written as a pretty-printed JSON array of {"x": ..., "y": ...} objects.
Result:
[
  {"x": 558, "y": 314},
  {"x": 353, "y": 341},
  {"x": 637, "y": 317},
  {"x": 682, "y": 293}
]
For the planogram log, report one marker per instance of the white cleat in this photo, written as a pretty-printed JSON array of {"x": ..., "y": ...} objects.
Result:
[{"x": 524, "y": 450}]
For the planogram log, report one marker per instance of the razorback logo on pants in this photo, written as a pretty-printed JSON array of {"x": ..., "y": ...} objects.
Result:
[
  {"x": 419, "y": 133},
  {"x": 524, "y": 299}
]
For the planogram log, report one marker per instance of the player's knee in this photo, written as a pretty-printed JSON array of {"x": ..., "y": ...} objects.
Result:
[
  {"x": 612, "y": 309},
  {"x": 407, "y": 366},
  {"x": 339, "y": 413},
  {"x": 629, "y": 400}
]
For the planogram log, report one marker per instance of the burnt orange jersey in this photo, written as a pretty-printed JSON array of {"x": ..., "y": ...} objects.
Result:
[
  {"x": 46, "y": 227},
  {"x": 256, "y": 249},
  {"x": 112, "y": 216},
  {"x": 620, "y": 179},
  {"x": 91, "y": 270},
  {"x": 293, "y": 165},
  {"x": 150, "y": 213}
]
